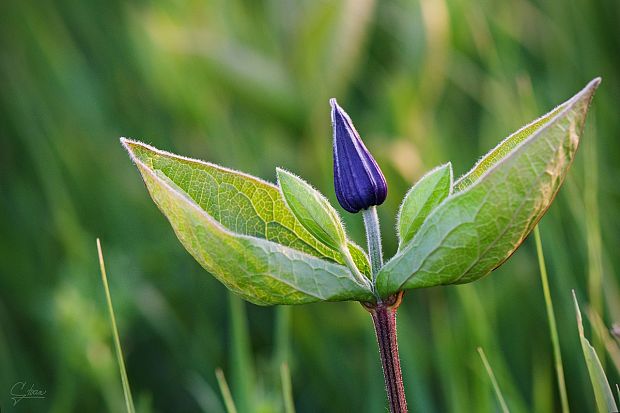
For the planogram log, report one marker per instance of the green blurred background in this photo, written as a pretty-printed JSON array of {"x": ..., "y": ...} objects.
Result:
[{"x": 246, "y": 84}]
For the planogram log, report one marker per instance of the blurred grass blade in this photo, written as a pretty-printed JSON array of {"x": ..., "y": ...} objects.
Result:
[
  {"x": 543, "y": 384},
  {"x": 228, "y": 400},
  {"x": 613, "y": 349},
  {"x": 241, "y": 354},
  {"x": 593, "y": 235},
  {"x": 602, "y": 392},
  {"x": 481, "y": 327},
  {"x": 553, "y": 329},
  {"x": 330, "y": 40},
  {"x": 117, "y": 342},
  {"x": 205, "y": 396},
  {"x": 498, "y": 392},
  {"x": 282, "y": 334},
  {"x": 287, "y": 388},
  {"x": 244, "y": 72}
]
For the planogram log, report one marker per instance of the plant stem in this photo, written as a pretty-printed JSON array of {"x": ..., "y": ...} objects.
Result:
[
  {"x": 373, "y": 240},
  {"x": 384, "y": 318},
  {"x": 383, "y": 314}
]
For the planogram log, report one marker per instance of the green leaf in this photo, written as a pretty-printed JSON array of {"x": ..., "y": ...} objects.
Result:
[
  {"x": 239, "y": 229},
  {"x": 241, "y": 203},
  {"x": 421, "y": 199},
  {"x": 317, "y": 215},
  {"x": 312, "y": 210},
  {"x": 505, "y": 147},
  {"x": 476, "y": 229},
  {"x": 602, "y": 391},
  {"x": 360, "y": 259}
]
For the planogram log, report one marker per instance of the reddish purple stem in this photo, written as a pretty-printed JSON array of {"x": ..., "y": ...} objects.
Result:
[{"x": 384, "y": 318}]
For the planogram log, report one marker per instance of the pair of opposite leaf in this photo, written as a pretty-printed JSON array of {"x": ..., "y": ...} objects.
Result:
[{"x": 286, "y": 244}]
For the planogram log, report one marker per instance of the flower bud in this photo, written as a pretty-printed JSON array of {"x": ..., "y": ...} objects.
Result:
[{"x": 358, "y": 181}]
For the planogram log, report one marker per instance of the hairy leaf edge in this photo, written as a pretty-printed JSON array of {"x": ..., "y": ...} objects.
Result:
[
  {"x": 460, "y": 184},
  {"x": 126, "y": 142},
  {"x": 589, "y": 89},
  {"x": 331, "y": 212}
]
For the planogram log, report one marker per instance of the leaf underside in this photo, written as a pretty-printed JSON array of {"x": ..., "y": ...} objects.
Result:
[
  {"x": 239, "y": 229},
  {"x": 498, "y": 203}
]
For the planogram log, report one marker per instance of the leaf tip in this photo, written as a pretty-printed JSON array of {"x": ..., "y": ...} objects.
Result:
[
  {"x": 447, "y": 167},
  {"x": 283, "y": 175},
  {"x": 125, "y": 141},
  {"x": 280, "y": 172},
  {"x": 578, "y": 314},
  {"x": 128, "y": 144},
  {"x": 591, "y": 88}
]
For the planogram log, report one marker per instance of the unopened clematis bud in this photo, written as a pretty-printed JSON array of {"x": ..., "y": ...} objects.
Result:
[{"x": 358, "y": 181}]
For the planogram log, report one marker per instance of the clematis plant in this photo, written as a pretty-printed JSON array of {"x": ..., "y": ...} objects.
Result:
[{"x": 285, "y": 243}]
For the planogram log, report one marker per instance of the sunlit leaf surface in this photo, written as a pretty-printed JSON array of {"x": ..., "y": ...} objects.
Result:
[
  {"x": 476, "y": 229},
  {"x": 239, "y": 229}
]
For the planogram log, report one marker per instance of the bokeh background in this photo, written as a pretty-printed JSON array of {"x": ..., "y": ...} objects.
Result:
[{"x": 246, "y": 84}]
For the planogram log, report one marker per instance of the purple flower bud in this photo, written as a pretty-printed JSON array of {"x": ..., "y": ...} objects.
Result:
[{"x": 358, "y": 181}]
